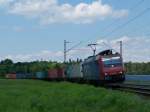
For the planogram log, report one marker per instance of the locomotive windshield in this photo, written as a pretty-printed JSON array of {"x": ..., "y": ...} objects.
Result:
[{"x": 112, "y": 62}]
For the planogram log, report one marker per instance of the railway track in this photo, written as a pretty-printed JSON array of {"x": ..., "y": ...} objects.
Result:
[{"x": 134, "y": 88}]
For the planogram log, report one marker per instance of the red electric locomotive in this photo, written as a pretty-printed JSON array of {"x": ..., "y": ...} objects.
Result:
[{"x": 105, "y": 66}]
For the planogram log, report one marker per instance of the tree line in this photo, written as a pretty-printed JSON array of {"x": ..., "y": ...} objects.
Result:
[
  {"x": 8, "y": 66},
  {"x": 137, "y": 68}
]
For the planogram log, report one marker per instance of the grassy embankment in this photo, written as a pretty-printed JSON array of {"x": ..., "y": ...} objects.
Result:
[{"x": 40, "y": 96}]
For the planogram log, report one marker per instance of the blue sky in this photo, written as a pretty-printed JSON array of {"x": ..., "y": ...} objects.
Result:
[{"x": 35, "y": 29}]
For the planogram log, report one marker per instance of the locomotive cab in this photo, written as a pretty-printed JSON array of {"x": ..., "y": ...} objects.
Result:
[{"x": 112, "y": 65}]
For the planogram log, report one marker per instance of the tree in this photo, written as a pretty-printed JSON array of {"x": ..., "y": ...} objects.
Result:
[{"x": 7, "y": 62}]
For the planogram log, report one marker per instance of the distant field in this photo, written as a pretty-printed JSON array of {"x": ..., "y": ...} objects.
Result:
[{"x": 40, "y": 96}]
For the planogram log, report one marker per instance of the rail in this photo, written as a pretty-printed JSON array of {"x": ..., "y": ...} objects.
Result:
[{"x": 134, "y": 88}]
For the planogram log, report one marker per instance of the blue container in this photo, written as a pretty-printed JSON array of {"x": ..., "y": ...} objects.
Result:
[
  {"x": 20, "y": 76},
  {"x": 30, "y": 76}
]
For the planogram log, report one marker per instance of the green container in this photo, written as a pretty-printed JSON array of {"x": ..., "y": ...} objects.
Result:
[{"x": 41, "y": 75}]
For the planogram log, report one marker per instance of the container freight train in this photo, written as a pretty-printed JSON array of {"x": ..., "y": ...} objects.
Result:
[{"x": 103, "y": 67}]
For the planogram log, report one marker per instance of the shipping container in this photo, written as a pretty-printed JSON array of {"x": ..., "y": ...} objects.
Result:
[
  {"x": 41, "y": 75},
  {"x": 10, "y": 76},
  {"x": 60, "y": 73},
  {"x": 52, "y": 74},
  {"x": 20, "y": 76},
  {"x": 73, "y": 71},
  {"x": 30, "y": 76}
]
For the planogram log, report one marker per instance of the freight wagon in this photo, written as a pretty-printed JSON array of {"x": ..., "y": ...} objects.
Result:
[
  {"x": 10, "y": 76},
  {"x": 56, "y": 74},
  {"x": 41, "y": 75},
  {"x": 73, "y": 72},
  {"x": 20, "y": 76}
]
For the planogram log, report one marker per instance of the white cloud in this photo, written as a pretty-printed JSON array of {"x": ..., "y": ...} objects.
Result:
[
  {"x": 5, "y": 1},
  {"x": 50, "y": 11},
  {"x": 2, "y": 1},
  {"x": 43, "y": 55}
]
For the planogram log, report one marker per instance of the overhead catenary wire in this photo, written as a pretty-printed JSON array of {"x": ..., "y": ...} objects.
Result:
[
  {"x": 128, "y": 22},
  {"x": 137, "y": 4},
  {"x": 116, "y": 20},
  {"x": 131, "y": 9},
  {"x": 67, "y": 50},
  {"x": 74, "y": 47},
  {"x": 139, "y": 31}
]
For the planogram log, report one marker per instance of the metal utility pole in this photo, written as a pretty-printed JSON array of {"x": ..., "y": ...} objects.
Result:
[
  {"x": 67, "y": 50},
  {"x": 121, "y": 53},
  {"x": 120, "y": 48},
  {"x": 93, "y": 47}
]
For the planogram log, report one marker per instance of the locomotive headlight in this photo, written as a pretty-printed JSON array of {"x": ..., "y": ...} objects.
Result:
[
  {"x": 120, "y": 72},
  {"x": 106, "y": 73}
]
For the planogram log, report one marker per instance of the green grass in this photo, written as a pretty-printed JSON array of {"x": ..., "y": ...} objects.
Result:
[{"x": 40, "y": 96}]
